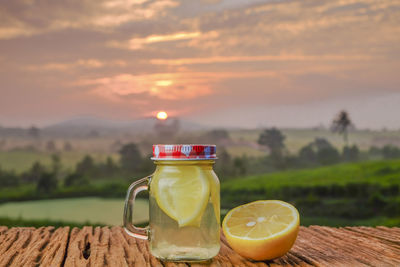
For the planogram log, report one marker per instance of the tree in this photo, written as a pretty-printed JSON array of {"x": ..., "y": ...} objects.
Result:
[
  {"x": 224, "y": 164},
  {"x": 240, "y": 165},
  {"x": 321, "y": 143},
  {"x": 390, "y": 152},
  {"x": 350, "y": 153},
  {"x": 130, "y": 158},
  {"x": 217, "y": 135},
  {"x": 319, "y": 151},
  {"x": 86, "y": 166},
  {"x": 8, "y": 178},
  {"x": 341, "y": 125},
  {"x": 55, "y": 164},
  {"x": 51, "y": 146},
  {"x": 110, "y": 166},
  {"x": 374, "y": 152},
  {"x": 328, "y": 155},
  {"x": 47, "y": 183},
  {"x": 274, "y": 140},
  {"x": 34, "y": 173},
  {"x": 67, "y": 146},
  {"x": 147, "y": 165},
  {"x": 307, "y": 154},
  {"x": 75, "y": 179}
]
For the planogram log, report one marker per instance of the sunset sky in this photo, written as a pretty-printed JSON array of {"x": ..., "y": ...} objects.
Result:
[{"x": 227, "y": 63}]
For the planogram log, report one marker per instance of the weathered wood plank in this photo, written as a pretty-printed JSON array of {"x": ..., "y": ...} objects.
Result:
[
  {"x": 349, "y": 248},
  {"x": 107, "y": 247},
  {"x": 3, "y": 229},
  {"x": 315, "y": 246},
  {"x": 384, "y": 234},
  {"x": 44, "y": 246}
]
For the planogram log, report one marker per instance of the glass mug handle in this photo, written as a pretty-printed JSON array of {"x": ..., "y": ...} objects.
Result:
[{"x": 134, "y": 189}]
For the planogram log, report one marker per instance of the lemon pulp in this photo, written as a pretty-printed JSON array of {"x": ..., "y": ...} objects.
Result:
[
  {"x": 182, "y": 192},
  {"x": 263, "y": 229}
]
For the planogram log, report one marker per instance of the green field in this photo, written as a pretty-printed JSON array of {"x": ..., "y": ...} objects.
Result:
[
  {"x": 76, "y": 210},
  {"x": 297, "y": 138},
  {"x": 18, "y": 157},
  {"x": 384, "y": 173},
  {"x": 21, "y": 161},
  {"x": 365, "y": 193}
]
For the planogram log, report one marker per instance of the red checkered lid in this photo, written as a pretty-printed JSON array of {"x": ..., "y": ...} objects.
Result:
[{"x": 184, "y": 152}]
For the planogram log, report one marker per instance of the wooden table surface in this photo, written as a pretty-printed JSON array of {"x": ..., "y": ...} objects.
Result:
[{"x": 315, "y": 246}]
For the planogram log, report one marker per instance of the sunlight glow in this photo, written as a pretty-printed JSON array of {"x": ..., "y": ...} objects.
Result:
[
  {"x": 172, "y": 37},
  {"x": 139, "y": 43},
  {"x": 164, "y": 83},
  {"x": 162, "y": 115}
]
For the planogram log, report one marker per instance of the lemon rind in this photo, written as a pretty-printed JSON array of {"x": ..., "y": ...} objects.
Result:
[{"x": 289, "y": 227}]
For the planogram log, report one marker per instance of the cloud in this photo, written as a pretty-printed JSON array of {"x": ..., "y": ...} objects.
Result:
[
  {"x": 139, "y": 43},
  {"x": 26, "y": 18},
  {"x": 10, "y": 32},
  {"x": 119, "y": 56},
  {"x": 167, "y": 86},
  {"x": 282, "y": 57},
  {"x": 123, "y": 3},
  {"x": 81, "y": 63},
  {"x": 309, "y": 27}
]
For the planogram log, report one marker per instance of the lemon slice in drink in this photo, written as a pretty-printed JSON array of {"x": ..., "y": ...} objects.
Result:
[
  {"x": 262, "y": 230},
  {"x": 182, "y": 195}
]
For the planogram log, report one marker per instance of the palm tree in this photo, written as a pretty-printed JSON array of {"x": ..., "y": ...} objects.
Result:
[{"x": 341, "y": 125}]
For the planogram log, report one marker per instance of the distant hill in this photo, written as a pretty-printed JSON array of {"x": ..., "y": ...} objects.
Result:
[
  {"x": 13, "y": 131},
  {"x": 86, "y": 126}
]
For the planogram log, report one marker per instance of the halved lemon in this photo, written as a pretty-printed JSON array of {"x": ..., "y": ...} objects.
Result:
[
  {"x": 182, "y": 195},
  {"x": 262, "y": 230}
]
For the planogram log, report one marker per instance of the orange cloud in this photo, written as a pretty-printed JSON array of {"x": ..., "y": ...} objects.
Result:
[
  {"x": 81, "y": 63},
  {"x": 281, "y": 57},
  {"x": 252, "y": 53},
  {"x": 93, "y": 15},
  {"x": 123, "y": 3},
  {"x": 139, "y": 43},
  {"x": 168, "y": 86}
]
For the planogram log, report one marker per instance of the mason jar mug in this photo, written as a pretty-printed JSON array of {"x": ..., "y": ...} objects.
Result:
[{"x": 184, "y": 204}]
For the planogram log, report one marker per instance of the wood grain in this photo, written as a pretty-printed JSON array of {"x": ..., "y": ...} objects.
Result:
[
  {"x": 45, "y": 246},
  {"x": 315, "y": 246}
]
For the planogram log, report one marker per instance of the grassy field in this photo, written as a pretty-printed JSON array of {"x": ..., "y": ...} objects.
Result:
[
  {"x": 378, "y": 172},
  {"x": 21, "y": 161},
  {"x": 297, "y": 138},
  {"x": 364, "y": 193},
  {"x": 16, "y": 155},
  {"x": 75, "y": 210}
]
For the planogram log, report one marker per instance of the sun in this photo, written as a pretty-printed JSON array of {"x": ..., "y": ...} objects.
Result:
[{"x": 162, "y": 115}]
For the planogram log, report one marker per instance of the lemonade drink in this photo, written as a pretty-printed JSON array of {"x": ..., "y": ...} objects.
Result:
[
  {"x": 197, "y": 238},
  {"x": 184, "y": 221}
]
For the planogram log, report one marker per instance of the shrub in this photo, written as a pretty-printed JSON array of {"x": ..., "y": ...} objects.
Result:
[
  {"x": 351, "y": 153},
  {"x": 377, "y": 201},
  {"x": 75, "y": 179}
]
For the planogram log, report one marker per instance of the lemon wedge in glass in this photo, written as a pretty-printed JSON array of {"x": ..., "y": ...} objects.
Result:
[
  {"x": 262, "y": 230},
  {"x": 182, "y": 195}
]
